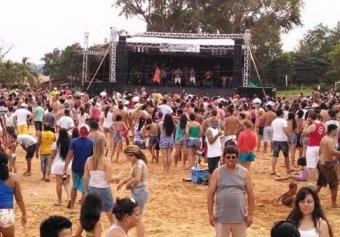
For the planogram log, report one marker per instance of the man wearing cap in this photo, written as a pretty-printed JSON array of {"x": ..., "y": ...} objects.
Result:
[
  {"x": 22, "y": 116},
  {"x": 81, "y": 148}
]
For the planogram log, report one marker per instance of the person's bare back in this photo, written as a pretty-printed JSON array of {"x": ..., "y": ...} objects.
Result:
[
  {"x": 269, "y": 116},
  {"x": 326, "y": 146},
  {"x": 231, "y": 125}
]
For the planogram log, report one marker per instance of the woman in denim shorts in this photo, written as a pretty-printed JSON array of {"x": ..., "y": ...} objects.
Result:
[
  {"x": 166, "y": 142},
  {"x": 292, "y": 140},
  {"x": 98, "y": 176},
  {"x": 193, "y": 131},
  {"x": 137, "y": 180}
]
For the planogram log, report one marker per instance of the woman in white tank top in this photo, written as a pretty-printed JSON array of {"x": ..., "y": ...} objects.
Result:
[
  {"x": 98, "y": 176},
  {"x": 127, "y": 215},
  {"x": 309, "y": 216}
]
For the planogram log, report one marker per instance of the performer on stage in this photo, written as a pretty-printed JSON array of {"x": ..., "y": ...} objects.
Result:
[{"x": 157, "y": 75}]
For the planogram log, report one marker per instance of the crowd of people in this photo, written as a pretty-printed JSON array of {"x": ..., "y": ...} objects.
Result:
[{"x": 79, "y": 137}]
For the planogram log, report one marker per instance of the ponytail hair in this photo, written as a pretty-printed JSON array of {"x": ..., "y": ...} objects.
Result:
[
  {"x": 4, "y": 171},
  {"x": 135, "y": 151}
]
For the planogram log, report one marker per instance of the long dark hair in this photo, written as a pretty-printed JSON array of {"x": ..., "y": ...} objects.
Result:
[
  {"x": 168, "y": 124},
  {"x": 90, "y": 211},
  {"x": 4, "y": 172},
  {"x": 296, "y": 214},
  {"x": 63, "y": 143},
  {"x": 291, "y": 116},
  {"x": 107, "y": 108},
  {"x": 140, "y": 123},
  {"x": 183, "y": 120}
]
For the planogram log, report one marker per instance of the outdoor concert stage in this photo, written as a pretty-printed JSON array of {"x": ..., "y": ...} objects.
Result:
[
  {"x": 98, "y": 87},
  {"x": 127, "y": 62}
]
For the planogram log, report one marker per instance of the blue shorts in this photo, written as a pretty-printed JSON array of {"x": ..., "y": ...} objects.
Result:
[
  {"x": 246, "y": 157},
  {"x": 193, "y": 142},
  {"x": 105, "y": 195},
  {"x": 117, "y": 137},
  {"x": 78, "y": 182},
  {"x": 167, "y": 142},
  {"x": 141, "y": 196}
]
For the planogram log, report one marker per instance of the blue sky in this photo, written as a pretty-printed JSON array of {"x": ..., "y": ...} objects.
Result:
[{"x": 38, "y": 26}]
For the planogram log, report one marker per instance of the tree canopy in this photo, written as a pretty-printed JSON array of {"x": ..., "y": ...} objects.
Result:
[{"x": 267, "y": 19}]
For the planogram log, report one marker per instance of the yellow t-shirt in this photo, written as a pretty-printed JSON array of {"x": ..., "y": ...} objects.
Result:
[{"x": 47, "y": 139}]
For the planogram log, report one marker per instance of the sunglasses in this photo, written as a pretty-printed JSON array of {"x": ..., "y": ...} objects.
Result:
[{"x": 231, "y": 157}]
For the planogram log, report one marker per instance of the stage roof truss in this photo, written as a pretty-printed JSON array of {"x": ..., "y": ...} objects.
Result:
[
  {"x": 190, "y": 35},
  {"x": 153, "y": 45}
]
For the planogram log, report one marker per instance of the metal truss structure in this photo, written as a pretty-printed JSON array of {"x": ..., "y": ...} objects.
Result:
[
  {"x": 190, "y": 35},
  {"x": 85, "y": 58},
  {"x": 246, "y": 64},
  {"x": 246, "y": 37},
  {"x": 113, "y": 55}
]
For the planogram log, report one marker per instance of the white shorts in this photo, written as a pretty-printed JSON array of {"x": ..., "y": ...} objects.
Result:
[
  {"x": 267, "y": 134},
  {"x": 193, "y": 80},
  {"x": 312, "y": 156},
  {"x": 6, "y": 217},
  {"x": 177, "y": 80}
]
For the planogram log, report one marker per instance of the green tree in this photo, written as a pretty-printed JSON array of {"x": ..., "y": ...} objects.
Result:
[
  {"x": 52, "y": 63},
  {"x": 24, "y": 71},
  {"x": 334, "y": 58},
  {"x": 8, "y": 72},
  {"x": 267, "y": 19},
  {"x": 71, "y": 61}
]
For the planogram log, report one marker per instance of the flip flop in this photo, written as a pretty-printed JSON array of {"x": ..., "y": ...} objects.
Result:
[
  {"x": 47, "y": 180},
  {"x": 273, "y": 173},
  {"x": 57, "y": 204}
]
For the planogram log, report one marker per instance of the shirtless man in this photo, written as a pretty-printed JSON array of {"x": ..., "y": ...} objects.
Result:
[
  {"x": 327, "y": 163},
  {"x": 153, "y": 131},
  {"x": 231, "y": 126},
  {"x": 268, "y": 117}
]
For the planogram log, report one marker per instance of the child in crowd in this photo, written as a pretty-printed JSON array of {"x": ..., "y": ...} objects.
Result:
[
  {"x": 301, "y": 176},
  {"x": 288, "y": 197},
  {"x": 12, "y": 146}
]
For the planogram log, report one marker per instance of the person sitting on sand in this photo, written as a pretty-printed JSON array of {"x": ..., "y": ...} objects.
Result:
[
  {"x": 303, "y": 172},
  {"x": 288, "y": 197}
]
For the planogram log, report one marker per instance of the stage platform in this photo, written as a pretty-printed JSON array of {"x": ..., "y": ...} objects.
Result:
[{"x": 98, "y": 87}]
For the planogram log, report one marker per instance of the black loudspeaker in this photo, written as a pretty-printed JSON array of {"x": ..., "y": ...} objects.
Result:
[
  {"x": 260, "y": 92},
  {"x": 238, "y": 63},
  {"x": 121, "y": 60}
]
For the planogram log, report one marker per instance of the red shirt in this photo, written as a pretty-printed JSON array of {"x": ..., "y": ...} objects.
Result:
[
  {"x": 314, "y": 138},
  {"x": 246, "y": 141}
]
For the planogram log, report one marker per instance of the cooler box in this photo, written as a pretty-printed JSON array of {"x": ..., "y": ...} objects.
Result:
[{"x": 198, "y": 175}]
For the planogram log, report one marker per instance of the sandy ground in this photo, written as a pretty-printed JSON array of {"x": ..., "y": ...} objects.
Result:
[{"x": 174, "y": 208}]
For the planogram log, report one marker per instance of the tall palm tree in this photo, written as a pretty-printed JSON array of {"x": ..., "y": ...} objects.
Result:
[{"x": 25, "y": 71}]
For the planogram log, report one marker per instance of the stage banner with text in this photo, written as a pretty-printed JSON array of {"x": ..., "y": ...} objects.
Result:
[{"x": 189, "y": 48}]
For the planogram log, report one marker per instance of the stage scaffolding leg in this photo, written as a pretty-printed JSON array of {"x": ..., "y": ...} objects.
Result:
[
  {"x": 113, "y": 55},
  {"x": 85, "y": 59},
  {"x": 246, "y": 48}
]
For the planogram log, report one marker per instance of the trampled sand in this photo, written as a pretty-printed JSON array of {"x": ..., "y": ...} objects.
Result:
[{"x": 174, "y": 208}]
